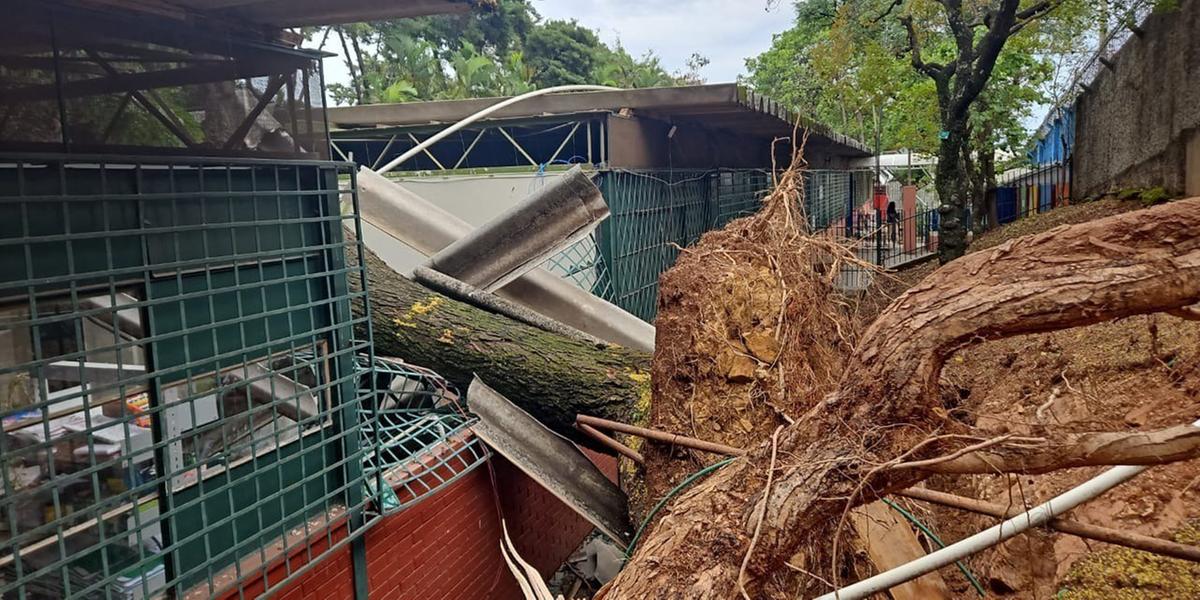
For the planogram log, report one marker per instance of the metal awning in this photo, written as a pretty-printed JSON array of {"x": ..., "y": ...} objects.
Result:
[
  {"x": 279, "y": 14},
  {"x": 724, "y": 106}
]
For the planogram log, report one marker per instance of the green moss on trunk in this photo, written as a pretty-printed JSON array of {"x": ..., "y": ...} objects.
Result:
[{"x": 550, "y": 376}]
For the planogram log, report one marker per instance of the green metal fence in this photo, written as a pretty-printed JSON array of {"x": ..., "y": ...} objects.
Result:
[
  {"x": 656, "y": 213},
  {"x": 178, "y": 387}
]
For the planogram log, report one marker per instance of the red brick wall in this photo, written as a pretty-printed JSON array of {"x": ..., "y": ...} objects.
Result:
[{"x": 448, "y": 545}]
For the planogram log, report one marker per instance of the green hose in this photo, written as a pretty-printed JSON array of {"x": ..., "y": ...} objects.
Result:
[
  {"x": 661, "y": 503},
  {"x": 937, "y": 540}
]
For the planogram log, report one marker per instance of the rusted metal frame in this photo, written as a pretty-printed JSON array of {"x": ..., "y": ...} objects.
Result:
[
  {"x": 268, "y": 96},
  {"x": 611, "y": 443},
  {"x": 517, "y": 146},
  {"x": 116, "y": 118},
  {"x": 148, "y": 104},
  {"x": 661, "y": 436},
  {"x": 427, "y": 152},
  {"x": 120, "y": 82}
]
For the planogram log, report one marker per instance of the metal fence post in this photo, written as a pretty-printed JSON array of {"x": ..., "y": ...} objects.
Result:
[{"x": 879, "y": 259}]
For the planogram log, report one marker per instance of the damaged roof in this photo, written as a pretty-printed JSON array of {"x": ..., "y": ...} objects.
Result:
[{"x": 724, "y": 106}]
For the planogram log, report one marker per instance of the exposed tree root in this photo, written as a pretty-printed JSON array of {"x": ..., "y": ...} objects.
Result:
[{"x": 883, "y": 409}]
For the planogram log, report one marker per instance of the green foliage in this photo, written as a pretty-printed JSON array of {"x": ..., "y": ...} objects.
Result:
[
  {"x": 1128, "y": 193},
  {"x": 616, "y": 67},
  {"x": 844, "y": 67},
  {"x": 1123, "y": 573},
  {"x": 498, "y": 52},
  {"x": 562, "y": 53},
  {"x": 1154, "y": 195}
]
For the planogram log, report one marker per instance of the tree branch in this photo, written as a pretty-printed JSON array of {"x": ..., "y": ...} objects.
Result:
[
  {"x": 1032, "y": 14},
  {"x": 1071, "y": 451},
  {"x": 887, "y": 12},
  {"x": 934, "y": 70},
  {"x": 1190, "y": 313},
  {"x": 964, "y": 35}
]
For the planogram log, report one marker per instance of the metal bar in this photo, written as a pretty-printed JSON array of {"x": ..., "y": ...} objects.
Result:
[
  {"x": 589, "y": 143},
  {"x": 492, "y": 303},
  {"x": 427, "y": 152},
  {"x": 558, "y": 150},
  {"x": 147, "y": 104},
  {"x": 599, "y": 436},
  {"x": 1108, "y": 535},
  {"x": 462, "y": 158},
  {"x": 238, "y": 137},
  {"x": 517, "y": 146},
  {"x": 112, "y": 123},
  {"x": 660, "y": 436},
  {"x": 383, "y": 153}
]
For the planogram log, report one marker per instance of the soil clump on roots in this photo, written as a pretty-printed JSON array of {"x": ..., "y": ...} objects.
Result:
[{"x": 751, "y": 333}]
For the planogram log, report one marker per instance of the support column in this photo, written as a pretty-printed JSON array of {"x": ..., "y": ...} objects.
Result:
[{"x": 908, "y": 195}]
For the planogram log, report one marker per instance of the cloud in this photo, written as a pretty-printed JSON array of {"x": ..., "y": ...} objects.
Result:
[{"x": 725, "y": 31}]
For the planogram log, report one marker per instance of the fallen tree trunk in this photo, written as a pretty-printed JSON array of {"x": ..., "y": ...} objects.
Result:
[
  {"x": 551, "y": 376},
  {"x": 887, "y": 410}
]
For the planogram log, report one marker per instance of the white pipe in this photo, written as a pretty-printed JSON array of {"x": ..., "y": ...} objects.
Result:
[
  {"x": 415, "y": 150},
  {"x": 1035, "y": 517}
]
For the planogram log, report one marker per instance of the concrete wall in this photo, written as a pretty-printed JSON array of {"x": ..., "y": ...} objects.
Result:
[
  {"x": 473, "y": 198},
  {"x": 1139, "y": 126}
]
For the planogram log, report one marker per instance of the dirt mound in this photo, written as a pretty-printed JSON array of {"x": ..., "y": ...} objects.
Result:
[{"x": 750, "y": 333}]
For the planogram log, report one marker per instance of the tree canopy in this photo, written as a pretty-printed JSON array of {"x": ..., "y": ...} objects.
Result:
[
  {"x": 957, "y": 78},
  {"x": 497, "y": 51}
]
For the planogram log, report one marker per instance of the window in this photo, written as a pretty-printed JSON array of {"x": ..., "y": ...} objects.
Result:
[
  {"x": 222, "y": 419},
  {"x": 77, "y": 445}
]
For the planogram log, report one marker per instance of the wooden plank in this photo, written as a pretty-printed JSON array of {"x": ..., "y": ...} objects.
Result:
[{"x": 889, "y": 542}]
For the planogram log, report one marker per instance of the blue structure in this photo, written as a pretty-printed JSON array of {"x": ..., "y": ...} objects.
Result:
[{"x": 1056, "y": 137}]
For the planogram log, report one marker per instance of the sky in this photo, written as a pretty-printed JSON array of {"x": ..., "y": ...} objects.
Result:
[{"x": 727, "y": 32}]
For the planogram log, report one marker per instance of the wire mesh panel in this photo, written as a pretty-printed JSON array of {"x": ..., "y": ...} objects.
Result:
[
  {"x": 740, "y": 193},
  {"x": 654, "y": 214},
  {"x": 582, "y": 264},
  {"x": 106, "y": 81},
  {"x": 177, "y": 382},
  {"x": 416, "y": 432}
]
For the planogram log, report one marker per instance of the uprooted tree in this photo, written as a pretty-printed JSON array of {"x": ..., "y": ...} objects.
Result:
[
  {"x": 878, "y": 424},
  {"x": 854, "y": 417}
]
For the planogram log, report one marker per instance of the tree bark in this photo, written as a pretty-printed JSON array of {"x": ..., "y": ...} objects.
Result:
[
  {"x": 953, "y": 185},
  {"x": 550, "y": 376},
  {"x": 887, "y": 410}
]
